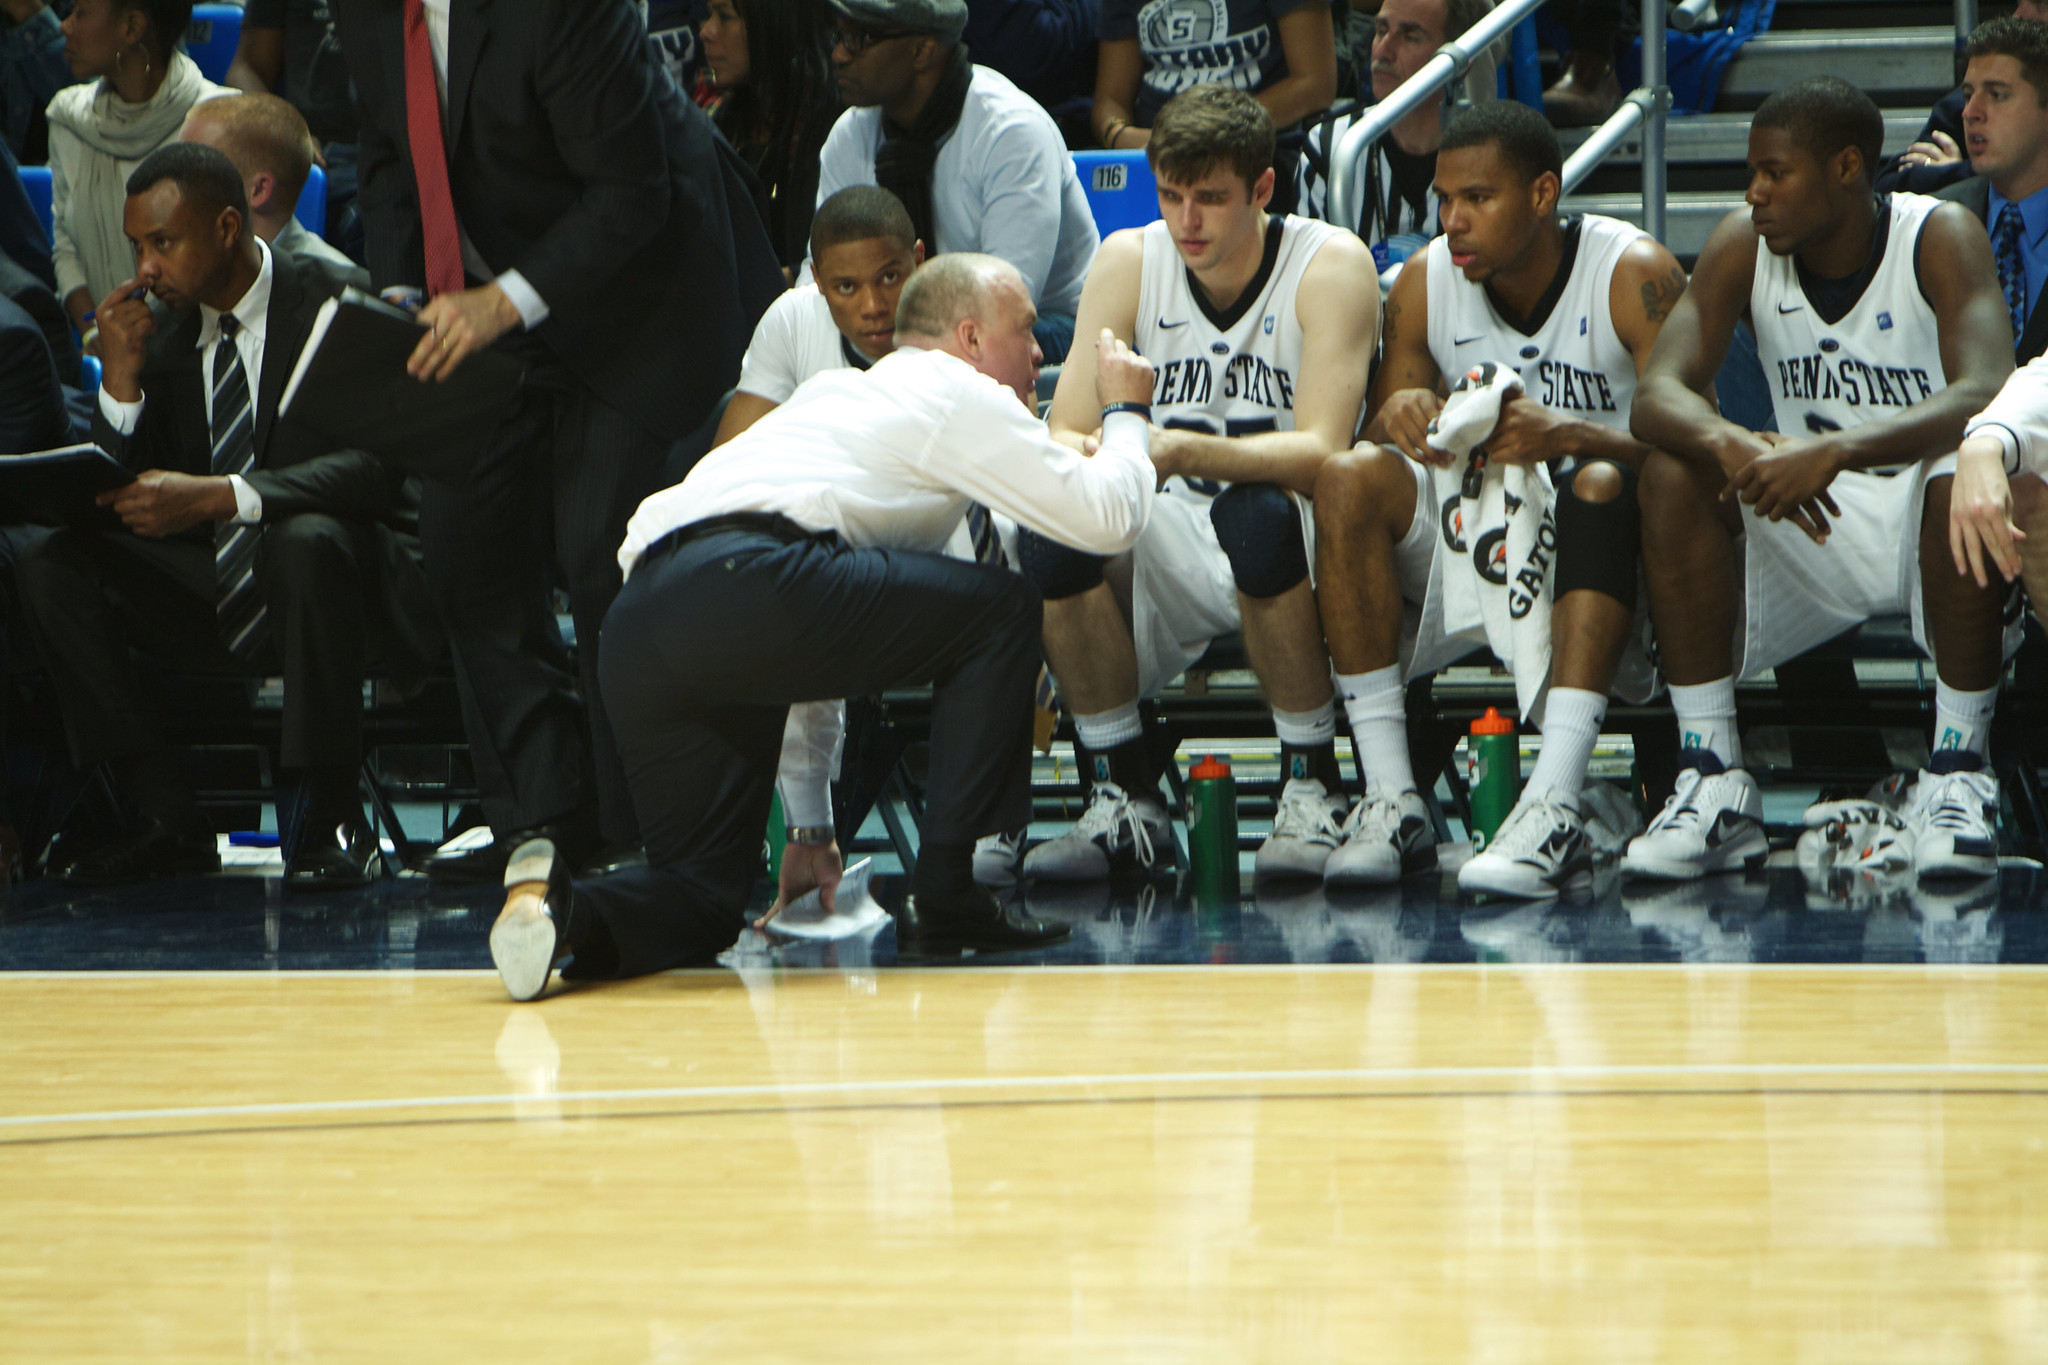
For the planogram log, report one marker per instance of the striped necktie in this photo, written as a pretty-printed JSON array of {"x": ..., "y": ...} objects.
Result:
[
  {"x": 2012, "y": 276},
  {"x": 238, "y": 604},
  {"x": 981, "y": 528}
]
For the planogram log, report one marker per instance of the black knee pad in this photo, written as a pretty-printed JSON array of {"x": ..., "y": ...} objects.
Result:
[
  {"x": 1259, "y": 527},
  {"x": 1599, "y": 544},
  {"x": 1057, "y": 571}
]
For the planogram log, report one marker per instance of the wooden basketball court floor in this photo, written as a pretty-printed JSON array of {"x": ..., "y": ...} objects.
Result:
[{"x": 1496, "y": 1161}]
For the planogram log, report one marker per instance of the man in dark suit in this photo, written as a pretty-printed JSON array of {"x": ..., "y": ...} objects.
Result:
[
  {"x": 528, "y": 165},
  {"x": 21, "y": 232},
  {"x": 21, "y": 288},
  {"x": 2005, "y": 132},
  {"x": 32, "y": 410},
  {"x": 243, "y": 547}
]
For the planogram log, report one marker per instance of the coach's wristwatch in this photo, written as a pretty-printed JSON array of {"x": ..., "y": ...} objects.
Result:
[{"x": 815, "y": 836}]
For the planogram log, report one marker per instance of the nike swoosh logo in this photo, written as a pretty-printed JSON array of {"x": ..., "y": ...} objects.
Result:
[
  {"x": 1171, "y": 325},
  {"x": 1796, "y": 308},
  {"x": 1467, "y": 341}
]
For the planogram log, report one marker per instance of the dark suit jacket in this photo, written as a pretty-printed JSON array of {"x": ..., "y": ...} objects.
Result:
[
  {"x": 293, "y": 473},
  {"x": 574, "y": 159},
  {"x": 39, "y": 301},
  {"x": 1974, "y": 194},
  {"x": 32, "y": 411},
  {"x": 1945, "y": 117}
]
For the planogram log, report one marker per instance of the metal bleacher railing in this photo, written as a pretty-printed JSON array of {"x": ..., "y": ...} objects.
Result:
[{"x": 1647, "y": 107}]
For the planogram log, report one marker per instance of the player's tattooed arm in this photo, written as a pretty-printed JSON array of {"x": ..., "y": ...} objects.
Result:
[{"x": 1661, "y": 295}]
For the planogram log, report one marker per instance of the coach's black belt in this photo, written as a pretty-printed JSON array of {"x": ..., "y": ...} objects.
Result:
[{"x": 772, "y": 524}]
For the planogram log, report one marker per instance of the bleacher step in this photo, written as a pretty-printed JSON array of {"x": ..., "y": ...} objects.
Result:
[
  {"x": 1690, "y": 217},
  {"x": 1711, "y": 139},
  {"x": 1876, "y": 59}
]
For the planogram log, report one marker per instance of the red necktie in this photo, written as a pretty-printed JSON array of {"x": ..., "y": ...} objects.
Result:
[{"x": 430, "y": 157}]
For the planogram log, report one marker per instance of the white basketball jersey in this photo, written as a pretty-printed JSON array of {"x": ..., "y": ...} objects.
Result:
[
  {"x": 1574, "y": 361},
  {"x": 1229, "y": 372},
  {"x": 1883, "y": 355}
]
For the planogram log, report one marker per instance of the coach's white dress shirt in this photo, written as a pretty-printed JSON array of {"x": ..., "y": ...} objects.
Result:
[
  {"x": 891, "y": 457},
  {"x": 2018, "y": 419}
]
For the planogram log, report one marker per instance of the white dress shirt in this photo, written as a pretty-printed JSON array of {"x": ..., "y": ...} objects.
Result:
[
  {"x": 891, "y": 457},
  {"x": 2018, "y": 419},
  {"x": 533, "y": 310},
  {"x": 253, "y": 313}
]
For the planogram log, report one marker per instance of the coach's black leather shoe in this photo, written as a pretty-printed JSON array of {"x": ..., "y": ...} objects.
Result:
[
  {"x": 531, "y": 937},
  {"x": 150, "y": 854},
  {"x": 975, "y": 920},
  {"x": 337, "y": 859}
]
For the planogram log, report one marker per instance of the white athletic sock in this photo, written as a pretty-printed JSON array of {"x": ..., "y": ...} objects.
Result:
[
  {"x": 1962, "y": 720},
  {"x": 1706, "y": 719},
  {"x": 1105, "y": 730},
  {"x": 1307, "y": 729},
  {"x": 1377, "y": 706},
  {"x": 1571, "y": 726}
]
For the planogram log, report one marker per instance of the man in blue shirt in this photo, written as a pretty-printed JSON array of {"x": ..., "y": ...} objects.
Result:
[{"x": 2005, "y": 133}]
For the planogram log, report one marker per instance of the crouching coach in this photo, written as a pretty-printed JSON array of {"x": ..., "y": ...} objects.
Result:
[{"x": 799, "y": 564}]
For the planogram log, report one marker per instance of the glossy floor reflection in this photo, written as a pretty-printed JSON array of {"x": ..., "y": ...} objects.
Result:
[{"x": 248, "y": 923}]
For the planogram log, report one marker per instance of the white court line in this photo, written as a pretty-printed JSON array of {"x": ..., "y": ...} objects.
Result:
[{"x": 970, "y": 1084}]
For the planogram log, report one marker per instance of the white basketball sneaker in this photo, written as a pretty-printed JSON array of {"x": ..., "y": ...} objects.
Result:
[
  {"x": 1953, "y": 817},
  {"x": 996, "y": 857},
  {"x": 1115, "y": 834},
  {"x": 1384, "y": 839},
  {"x": 1541, "y": 850},
  {"x": 1714, "y": 822},
  {"x": 1307, "y": 826}
]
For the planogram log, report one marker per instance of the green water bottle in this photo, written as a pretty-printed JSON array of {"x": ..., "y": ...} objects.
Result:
[
  {"x": 1212, "y": 828},
  {"x": 778, "y": 836},
  {"x": 1493, "y": 770}
]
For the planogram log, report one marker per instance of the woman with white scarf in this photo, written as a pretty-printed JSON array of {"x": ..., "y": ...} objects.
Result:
[{"x": 138, "y": 88}]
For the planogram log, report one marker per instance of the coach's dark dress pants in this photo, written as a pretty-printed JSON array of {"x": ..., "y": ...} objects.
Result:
[{"x": 709, "y": 643}]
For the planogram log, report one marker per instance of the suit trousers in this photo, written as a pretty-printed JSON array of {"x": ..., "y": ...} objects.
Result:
[
  {"x": 89, "y": 596},
  {"x": 553, "y": 493},
  {"x": 707, "y": 647}
]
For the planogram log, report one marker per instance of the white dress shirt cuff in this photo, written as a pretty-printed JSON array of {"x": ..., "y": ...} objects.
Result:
[
  {"x": 1131, "y": 427},
  {"x": 2006, "y": 438},
  {"x": 121, "y": 416},
  {"x": 533, "y": 310},
  {"x": 811, "y": 742},
  {"x": 248, "y": 502}
]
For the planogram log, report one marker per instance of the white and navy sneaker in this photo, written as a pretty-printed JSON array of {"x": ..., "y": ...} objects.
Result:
[
  {"x": 1540, "y": 851},
  {"x": 1953, "y": 818},
  {"x": 996, "y": 857},
  {"x": 1116, "y": 834},
  {"x": 1384, "y": 839},
  {"x": 1307, "y": 827},
  {"x": 1714, "y": 822}
]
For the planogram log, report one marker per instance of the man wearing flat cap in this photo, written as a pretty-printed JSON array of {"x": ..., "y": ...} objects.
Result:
[{"x": 979, "y": 164}]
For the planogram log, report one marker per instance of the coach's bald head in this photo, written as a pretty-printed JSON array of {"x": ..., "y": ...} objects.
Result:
[{"x": 975, "y": 307}]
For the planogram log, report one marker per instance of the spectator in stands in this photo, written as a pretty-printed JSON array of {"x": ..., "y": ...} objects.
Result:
[
  {"x": 21, "y": 231},
  {"x": 288, "y": 48},
  {"x": 32, "y": 71},
  {"x": 561, "y": 199},
  {"x": 1399, "y": 211},
  {"x": 2005, "y": 122},
  {"x": 138, "y": 88},
  {"x": 1283, "y": 51},
  {"x": 777, "y": 102},
  {"x": 21, "y": 288},
  {"x": 1936, "y": 159},
  {"x": 247, "y": 548},
  {"x": 844, "y": 317},
  {"x": 978, "y": 165},
  {"x": 33, "y": 415},
  {"x": 1588, "y": 91},
  {"x": 269, "y": 143},
  {"x": 1046, "y": 47}
]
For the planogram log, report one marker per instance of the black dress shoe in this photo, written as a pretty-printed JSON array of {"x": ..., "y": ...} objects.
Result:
[
  {"x": 473, "y": 866},
  {"x": 531, "y": 937},
  {"x": 337, "y": 859},
  {"x": 152, "y": 853},
  {"x": 978, "y": 921}
]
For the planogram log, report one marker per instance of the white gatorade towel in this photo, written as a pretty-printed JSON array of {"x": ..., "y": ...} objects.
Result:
[{"x": 1501, "y": 551}]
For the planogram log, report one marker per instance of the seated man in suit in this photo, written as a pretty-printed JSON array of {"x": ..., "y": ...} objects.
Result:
[
  {"x": 32, "y": 409},
  {"x": 2005, "y": 130},
  {"x": 268, "y": 141},
  {"x": 844, "y": 317},
  {"x": 243, "y": 547}
]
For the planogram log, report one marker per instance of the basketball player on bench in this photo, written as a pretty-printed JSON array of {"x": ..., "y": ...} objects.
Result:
[
  {"x": 1260, "y": 329},
  {"x": 1572, "y": 305},
  {"x": 1882, "y": 331}
]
